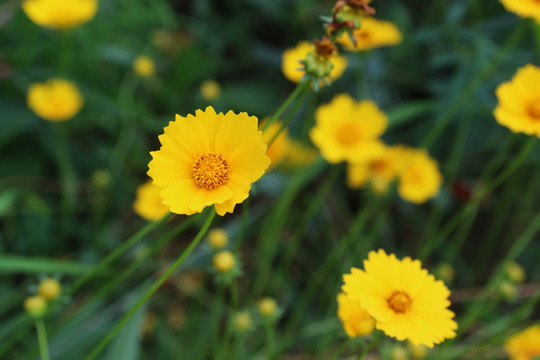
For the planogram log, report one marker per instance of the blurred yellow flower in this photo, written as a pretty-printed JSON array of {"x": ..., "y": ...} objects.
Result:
[
  {"x": 49, "y": 288},
  {"x": 519, "y": 100},
  {"x": 418, "y": 352},
  {"x": 208, "y": 159},
  {"x": 299, "y": 155},
  {"x": 379, "y": 172},
  {"x": 218, "y": 238},
  {"x": 267, "y": 307},
  {"x": 144, "y": 66},
  {"x": 524, "y": 345},
  {"x": 60, "y": 14},
  {"x": 523, "y": 8},
  {"x": 35, "y": 306},
  {"x": 148, "y": 204},
  {"x": 355, "y": 319},
  {"x": 280, "y": 145},
  {"x": 55, "y": 99},
  {"x": 446, "y": 272},
  {"x": 224, "y": 261},
  {"x": 515, "y": 272},
  {"x": 372, "y": 34},
  {"x": 398, "y": 352},
  {"x": 242, "y": 321},
  {"x": 349, "y": 130},
  {"x": 419, "y": 178},
  {"x": 405, "y": 301},
  {"x": 210, "y": 90},
  {"x": 290, "y": 62}
]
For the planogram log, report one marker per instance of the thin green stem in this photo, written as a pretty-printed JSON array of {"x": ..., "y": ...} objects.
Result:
[
  {"x": 154, "y": 287},
  {"x": 42, "y": 339},
  {"x": 290, "y": 116},
  {"x": 117, "y": 252},
  {"x": 299, "y": 88},
  {"x": 270, "y": 340},
  {"x": 371, "y": 345},
  {"x": 216, "y": 316}
]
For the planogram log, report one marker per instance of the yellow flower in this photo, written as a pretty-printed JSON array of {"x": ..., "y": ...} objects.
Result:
[
  {"x": 60, "y": 14},
  {"x": 55, "y": 100},
  {"x": 355, "y": 319},
  {"x": 525, "y": 345},
  {"x": 148, "y": 203},
  {"x": 519, "y": 101},
  {"x": 299, "y": 155},
  {"x": 398, "y": 352},
  {"x": 208, "y": 159},
  {"x": 379, "y": 171},
  {"x": 406, "y": 302},
  {"x": 446, "y": 272},
  {"x": 280, "y": 145},
  {"x": 267, "y": 307},
  {"x": 515, "y": 272},
  {"x": 35, "y": 306},
  {"x": 242, "y": 321},
  {"x": 218, "y": 238},
  {"x": 372, "y": 34},
  {"x": 347, "y": 130},
  {"x": 210, "y": 90},
  {"x": 224, "y": 261},
  {"x": 418, "y": 352},
  {"x": 419, "y": 179},
  {"x": 290, "y": 62},
  {"x": 49, "y": 288},
  {"x": 523, "y": 8},
  {"x": 144, "y": 66}
]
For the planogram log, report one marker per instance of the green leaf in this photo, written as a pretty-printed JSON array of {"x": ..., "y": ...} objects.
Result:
[{"x": 18, "y": 264}]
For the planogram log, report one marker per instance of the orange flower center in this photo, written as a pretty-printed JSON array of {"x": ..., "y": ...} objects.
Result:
[
  {"x": 348, "y": 134},
  {"x": 534, "y": 108},
  {"x": 210, "y": 171},
  {"x": 399, "y": 301}
]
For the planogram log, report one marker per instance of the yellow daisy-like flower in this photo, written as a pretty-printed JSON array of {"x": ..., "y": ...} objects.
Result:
[
  {"x": 347, "y": 130},
  {"x": 290, "y": 62},
  {"x": 519, "y": 101},
  {"x": 524, "y": 345},
  {"x": 355, "y": 319},
  {"x": 372, "y": 34},
  {"x": 279, "y": 148},
  {"x": 60, "y": 14},
  {"x": 405, "y": 301},
  {"x": 55, "y": 99},
  {"x": 378, "y": 172},
  {"x": 419, "y": 179},
  {"x": 148, "y": 203},
  {"x": 208, "y": 159},
  {"x": 523, "y": 8},
  {"x": 144, "y": 66}
]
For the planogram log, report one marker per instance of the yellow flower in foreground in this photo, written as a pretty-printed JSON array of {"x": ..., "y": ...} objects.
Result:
[
  {"x": 148, "y": 203},
  {"x": 280, "y": 145},
  {"x": 372, "y": 34},
  {"x": 523, "y": 8},
  {"x": 405, "y": 301},
  {"x": 519, "y": 101},
  {"x": 355, "y": 319},
  {"x": 290, "y": 62},
  {"x": 379, "y": 172},
  {"x": 60, "y": 14},
  {"x": 208, "y": 159},
  {"x": 144, "y": 66},
  {"x": 419, "y": 179},
  {"x": 49, "y": 288},
  {"x": 210, "y": 90},
  {"x": 349, "y": 130},
  {"x": 524, "y": 345},
  {"x": 55, "y": 100},
  {"x": 218, "y": 238}
]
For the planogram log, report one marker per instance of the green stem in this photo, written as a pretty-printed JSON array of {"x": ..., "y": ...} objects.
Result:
[
  {"x": 371, "y": 345},
  {"x": 42, "y": 339},
  {"x": 270, "y": 340},
  {"x": 116, "y": 253},
  {"x": 299, "y": 88},
  {"x": 216, "y": 316},
  {"x": 289, "y": 117},
  {"x": 154, "y": 287}
]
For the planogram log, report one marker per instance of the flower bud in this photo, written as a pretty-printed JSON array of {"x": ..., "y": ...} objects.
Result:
[
  {"x": 418, "y": 352},
  {"x": 144, "y": 66},
  {"x": 399, "y": 353},
  {"x": 267, "y": 307},
  {"x": 242, "y": 321},
  {"x": 35, "y": 305},
  {"x": 218, "y": 238},
  {"x": 224, "y": 261},
  {"x": 515, "y": 272},
  {"x": 49, "y": 288}
]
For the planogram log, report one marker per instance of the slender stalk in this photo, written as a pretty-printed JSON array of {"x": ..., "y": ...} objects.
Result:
[
  {"x": 270, "y": 340},
  {"x": 371, "y": 345},
  {"x": 42, "y": 339},
  {"x": 216, "y": 316},
  {"x": 290, "y": 115},
  {"x": 116, "y": 253},
  {"x": 154, "y": 287},
  {"x": 299, "y": 88}
]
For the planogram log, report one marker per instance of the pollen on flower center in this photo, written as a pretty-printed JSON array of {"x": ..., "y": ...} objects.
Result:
[
  {"x": 534, "y": 108},
  {"x": 348, "y": 134},
  {"x": 210, "y": 171},
  {"x": 399, "y": 301}
]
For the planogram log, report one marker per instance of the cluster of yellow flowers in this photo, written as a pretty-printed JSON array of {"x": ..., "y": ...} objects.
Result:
[
  {"x": 397, "y": 297},
  {"x": 48, "y": 290}
]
